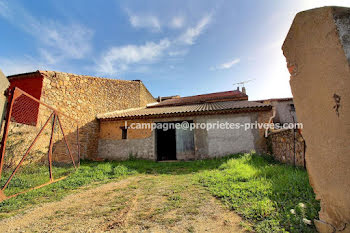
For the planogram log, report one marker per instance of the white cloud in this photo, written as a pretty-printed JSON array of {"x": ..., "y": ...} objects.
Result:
[
  {"x": 144, "y": 21},
  {"x": 69, "y": 41},
  {"x": 23, "y": 65},
  {"x": 191, "y": 34},
  {"x": 176, "y": 53},
  {"x": 48, "y": 56},
  {"x": 58, "y": 41},
  {"x": 4, "y": 9},
  {"x": 226, "y": 65},
  {"x": 177, "y": 22},
  {"x": 117, "y": 59},
  {"x": 121, "y": 58}
]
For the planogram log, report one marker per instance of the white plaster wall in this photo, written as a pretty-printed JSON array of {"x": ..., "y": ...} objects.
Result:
[
  {"x": 283, "y": 112},
  {"x": 223, "y": 142}
]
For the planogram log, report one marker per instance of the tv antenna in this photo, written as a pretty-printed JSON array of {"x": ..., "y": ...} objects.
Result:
[{"x": 244, "y": 82}]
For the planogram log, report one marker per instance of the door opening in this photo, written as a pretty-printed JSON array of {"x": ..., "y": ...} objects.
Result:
[{"x": 166, "y": 144}]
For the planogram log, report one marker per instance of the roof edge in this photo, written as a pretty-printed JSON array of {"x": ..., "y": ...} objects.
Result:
[
  {"x": 275, "y": 99},
  {"x": 45, "y": 72},
  {"x": 225, "y": 99},
  {"x": 23, "y": 74},
  {"x": 100, "y": 115},
  {"x": 210, "y": 112}
]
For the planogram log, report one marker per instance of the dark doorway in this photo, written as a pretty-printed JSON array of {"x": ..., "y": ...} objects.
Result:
[{"x": 166, "y": 144}]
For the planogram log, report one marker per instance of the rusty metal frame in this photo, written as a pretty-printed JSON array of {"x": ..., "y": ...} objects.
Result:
[{"x": 13, "y": 95}]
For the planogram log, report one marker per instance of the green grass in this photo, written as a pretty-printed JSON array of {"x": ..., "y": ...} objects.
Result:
[
  {"x": 30, "y": 176},
  {"x": 87, "y": 174},
  {"x": 262, "y": 191}
]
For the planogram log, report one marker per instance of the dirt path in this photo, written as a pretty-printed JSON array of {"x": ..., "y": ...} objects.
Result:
[{"x": 145, "y": 203}]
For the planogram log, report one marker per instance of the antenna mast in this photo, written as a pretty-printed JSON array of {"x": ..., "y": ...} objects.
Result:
[{"x": 243, "y": 82}]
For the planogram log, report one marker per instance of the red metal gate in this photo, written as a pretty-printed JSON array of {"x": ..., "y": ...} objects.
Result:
[{"x": 27, "y": 132}]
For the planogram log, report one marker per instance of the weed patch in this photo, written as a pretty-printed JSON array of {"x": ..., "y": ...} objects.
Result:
[{"x": 264, "y": 192}]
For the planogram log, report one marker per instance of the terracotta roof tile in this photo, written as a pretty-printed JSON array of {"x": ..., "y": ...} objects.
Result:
[{"x": 198, "y": 99}]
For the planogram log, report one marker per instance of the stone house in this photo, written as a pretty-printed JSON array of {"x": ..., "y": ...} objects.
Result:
[
  {"x": 119, "y": 140},
  {"x": 81, "y": 97},
  {"x": 105, "y": 109}
]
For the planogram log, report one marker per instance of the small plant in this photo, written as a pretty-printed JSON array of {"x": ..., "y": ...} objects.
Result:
[{"x": 132, "y": 157}]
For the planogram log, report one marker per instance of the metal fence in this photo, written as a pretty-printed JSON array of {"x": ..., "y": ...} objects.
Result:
[{"x": 39, "y": 145}]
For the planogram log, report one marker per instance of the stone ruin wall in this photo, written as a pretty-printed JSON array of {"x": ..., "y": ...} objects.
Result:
[{"x": 82, "y": 97}]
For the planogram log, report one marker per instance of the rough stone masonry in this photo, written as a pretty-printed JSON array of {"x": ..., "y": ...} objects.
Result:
[
  {"x": 82, "y": 97},
  {"x": 317, "y": 49},
  {"x": 3, "y": 86}
]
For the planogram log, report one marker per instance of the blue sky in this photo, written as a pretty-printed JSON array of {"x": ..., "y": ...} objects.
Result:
[{"x": 175, "y": 47}]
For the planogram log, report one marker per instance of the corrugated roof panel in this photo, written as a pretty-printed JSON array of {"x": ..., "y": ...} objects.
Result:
[{"x": 205, "y": 107}]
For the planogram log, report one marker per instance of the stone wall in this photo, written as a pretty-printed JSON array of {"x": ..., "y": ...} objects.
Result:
[
  {"x": 287, "y": 147},
  {"x": 3, "y": 86},
  {"x": 317, "y": 49},
  {"x": 82, "y": 97},
  {"x": 145, "y": 96},
  {"x": 208, "y": 143}
]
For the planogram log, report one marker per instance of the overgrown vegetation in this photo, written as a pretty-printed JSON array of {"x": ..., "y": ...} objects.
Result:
[
  {"x": 265, "y": 193},
  {"x": 273, "y": 197}
]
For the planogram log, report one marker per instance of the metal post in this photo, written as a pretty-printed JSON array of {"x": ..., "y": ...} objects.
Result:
[
  {"x": 65, "y": 140},
  {"x": 78, "y": 145},
  {"x": 49, "y": 155},
  {"x": 27, "y": 152}
]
